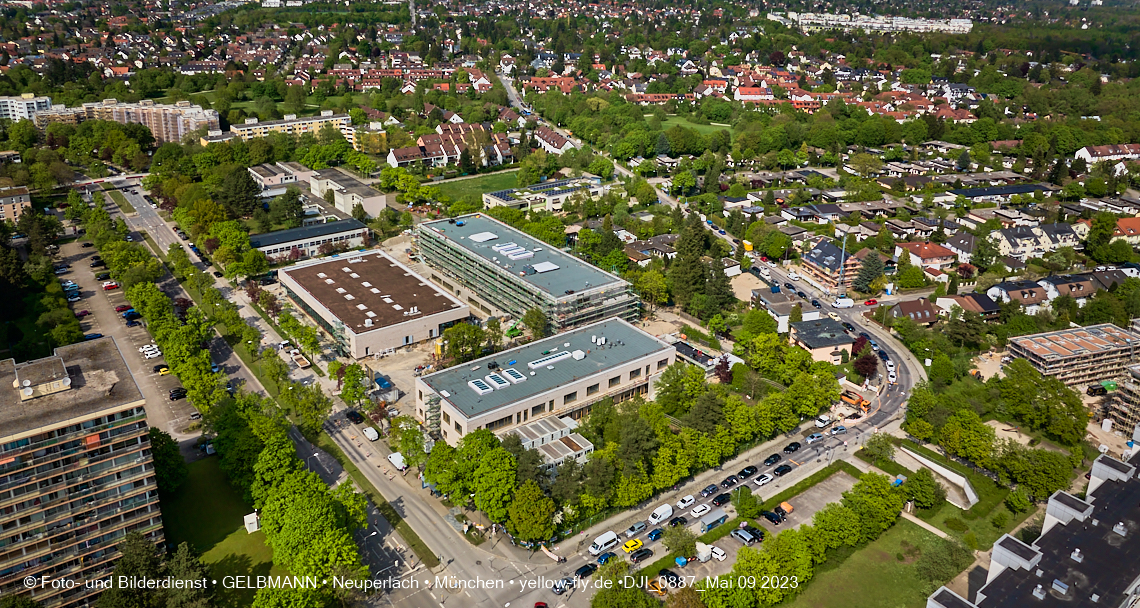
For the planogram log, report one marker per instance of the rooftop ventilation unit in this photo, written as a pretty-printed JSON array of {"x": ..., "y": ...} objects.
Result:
[
  {"x": 479, "y": 386},
  {"x": 579, "y": 355},
  {"x": 368, "y": 322},
  {"x": 502, "y": 246},
  {"x": 522, "y": 255},
  {"x": 513, "y": 375},
  {"x": 549, "y": 359},
  {"x": 482, "y": 237},
  {"x": 497, "y": 381}
]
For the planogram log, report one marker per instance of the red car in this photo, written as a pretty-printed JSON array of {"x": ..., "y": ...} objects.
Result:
[
  {"x": 122, "y": 308},
  {"x": 109, "y": 285},
  {"x": 870, "y": 302},
  {"x": 81, "y": 314}
]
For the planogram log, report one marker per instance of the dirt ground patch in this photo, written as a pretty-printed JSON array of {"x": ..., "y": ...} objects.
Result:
[
  {"x": 1004, "y": 431},
  {"x": 989, "y": 364},
  {"x": 743, "y": 284}
]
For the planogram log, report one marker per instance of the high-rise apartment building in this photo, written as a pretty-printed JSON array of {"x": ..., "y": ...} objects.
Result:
[
  {"x": 23, "y": 107},
  {"x": 167, "y": 122},
  {"x": 76, "y": 473}
]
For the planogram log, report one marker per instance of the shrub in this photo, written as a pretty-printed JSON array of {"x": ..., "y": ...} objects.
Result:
[
  {"x": 956, "y": 524},
  {"x": 1000, "y": 520},
  {"x": 1018, "y": 501},
  {"x": 900, "y": 557},
  {"x": 971, "y": 541},
  {"x": 943, "y": 561}
]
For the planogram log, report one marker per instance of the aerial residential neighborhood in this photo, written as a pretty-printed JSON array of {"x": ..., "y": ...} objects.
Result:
[{"x": 715, "y": 305}]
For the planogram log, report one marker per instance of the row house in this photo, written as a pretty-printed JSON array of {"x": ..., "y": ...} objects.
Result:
[
  {"x": 1127, "y": 229},
  {"x": 1032, "y": 297},
  {"x": 434, "y": 155},
  {"x": 1095, "y": 154},
  {"x": 646, "y": 99},
  {"x": 551, "y": 141}
]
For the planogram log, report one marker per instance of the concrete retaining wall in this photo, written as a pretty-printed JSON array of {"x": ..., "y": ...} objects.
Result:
[{"x": 948, "y": 473}]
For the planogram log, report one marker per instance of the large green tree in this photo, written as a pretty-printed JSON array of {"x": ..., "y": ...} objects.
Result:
[
  {"x": 494, "y": 483},
  {"x": 530, "y": 516}
]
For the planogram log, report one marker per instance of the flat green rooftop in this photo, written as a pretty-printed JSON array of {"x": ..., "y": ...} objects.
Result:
[
  {"x": 529, "y": 260},
  {"x": 624, "y": 343}
]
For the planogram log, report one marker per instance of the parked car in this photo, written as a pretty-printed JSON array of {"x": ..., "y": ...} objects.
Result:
[
  {"x": 586, "y": 571},
  {"x": 763, "y": 480},
  {"x": 892, "y": 378},
  {"x": 709, "y": 491},
  {"x": 354, "y": 416},
  {"x": 721, "y": 499},
  {"x": 214, "y": 368},
  {"x": 678, "y": 521},
  {"x": 635, "y": 529},
  {"x": 109, "y": 285},
  {"x": 82, "y": 313},
  {"x": 102, "y": 276},
  {"x": 802, "y": 295},
  {"x": 816, "y": 304},
  {"x": 73, "y": 298},
  {"x": 771, "y": 517},
  {"x": 729, "y": 481},
  {"x": 839, "y": 430},
  {"x": 86, "y": 245},
  {"x": 218, "y": 274},
  {"x": 814, "y": 437},
  {"x": 640, "y": 555},
  {"x": 745, "y": 538},
  {"x": 605, "y": 557},
  {"x": 700, "y": 510},
  {"x": 670, "y": 578},
  {"x": 849, "y": 327},
  {"x": 718, "y": 553},
  {"x": 792, "y": 447},
  {"x": 686, "y": 502},
  {"x": 131, "y": 316},
  {"x": 655, "y": 534},
  {"x": 782, "y": 470},
  {"x": 871, "y": 302},
  {"x": 883, "y": 356},
  {"x": 747, "y": 472},
  {"x": 632, "y": 545},
  {"x": 773, "y": 459},
  {"x": 97, "y": 264},
  {"x": 562, "y": 586},
  {"x": 122, "y": 308},
  {"x": 161, "y": 366},
  {"x": 92, "y": 336}
]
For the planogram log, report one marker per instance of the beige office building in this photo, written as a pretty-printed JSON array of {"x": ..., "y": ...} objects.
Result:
[{"x": 370, "y": 303}]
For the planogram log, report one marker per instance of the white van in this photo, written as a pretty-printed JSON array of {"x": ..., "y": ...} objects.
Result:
[
  {"x": 371, "y": 433},
  {"x": 764, "y": 272},
  {"x": 397, "y": 460},
  {"x": 792, "y": 276},
  {"x": 604, "y": 543},
  {"x": 843, "y": 303},
  {"x": 660, "y": 514}
]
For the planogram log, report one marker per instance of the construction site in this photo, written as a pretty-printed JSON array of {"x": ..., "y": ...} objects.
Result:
[{"x": 1079, "y": 356}]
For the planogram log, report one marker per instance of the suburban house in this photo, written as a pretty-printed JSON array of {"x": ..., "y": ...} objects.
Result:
[
  {"x": 920, "y": 311},
  {"x": 926, "y": 254},
  {"x": 962, "y": 244},
  {"x": 1024, "y": 242},
  {"x": 1078, "y": 287},
  {"x": 979, "y": 303},
  {"x": 1030, "y": 295},
  {"x": 824, "y": 338}
]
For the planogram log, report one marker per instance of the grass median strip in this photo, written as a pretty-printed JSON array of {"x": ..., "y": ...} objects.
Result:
[
  {"x": 430, "y": 559},
  {"x": 121, "y": 201}
]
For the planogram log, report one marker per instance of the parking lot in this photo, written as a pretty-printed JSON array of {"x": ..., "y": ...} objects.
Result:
[
  {"x": 172, "y": 417},
  {"x": 815, "y": 498}
]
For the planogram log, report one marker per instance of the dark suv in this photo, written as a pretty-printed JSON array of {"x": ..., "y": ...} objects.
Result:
[
  {"x": 773, "y": 459},
  {"x": 721, "y": 499},
  {"x": 640, "y": 555},
  {"x": 792, "y": 447},
  {"x": 782, "y": 470},
  {"x": 709, "y": 491},
  {"x": 354, "y": 417},
  {"x": 746, "y": 472}
]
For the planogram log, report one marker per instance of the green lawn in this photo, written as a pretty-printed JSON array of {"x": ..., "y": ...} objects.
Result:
[
  {"x": 207, "y": 513},
  {"x": 473, "y": 189},
  {"x": 872, "y": 577},
  {"x": 673, "y": 121}
]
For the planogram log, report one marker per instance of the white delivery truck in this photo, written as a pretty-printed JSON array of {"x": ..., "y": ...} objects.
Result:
[
  {"x": 604, "y": 543},
  {"x": 660, "y": 514},
  {"x": 843, "y": 303}
]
